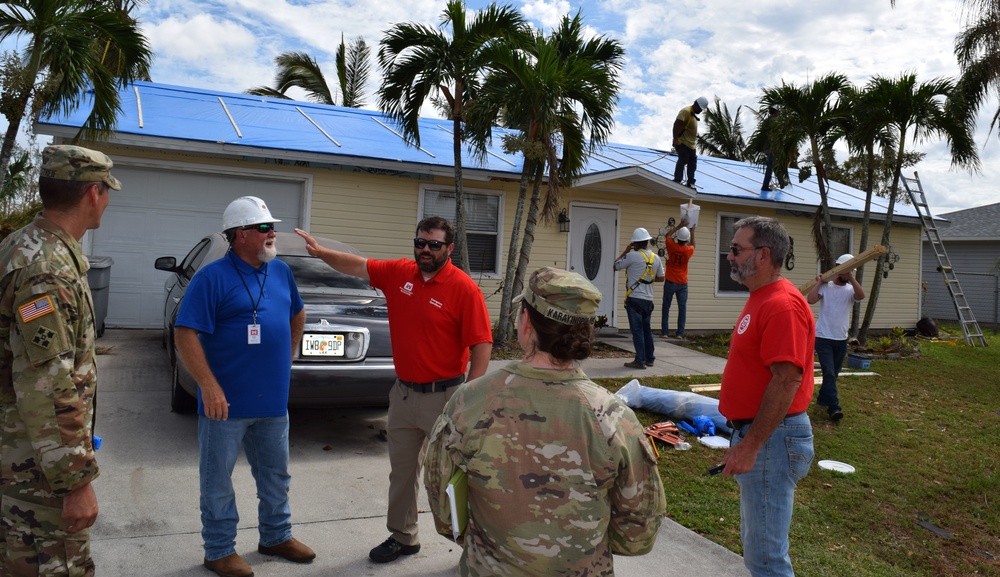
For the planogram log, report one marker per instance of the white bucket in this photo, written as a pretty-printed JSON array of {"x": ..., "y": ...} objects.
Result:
[{"x": 690, "y": 212}]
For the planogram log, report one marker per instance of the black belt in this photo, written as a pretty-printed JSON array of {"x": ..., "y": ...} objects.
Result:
[
  {"x": 434, "y": 386},
  {"x": 740, "y": 423}
]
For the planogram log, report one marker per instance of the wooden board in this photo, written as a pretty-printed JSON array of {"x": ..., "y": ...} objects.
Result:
[
  {"x": 870, "y": 254},
  {"x": 705, "y": 388}
]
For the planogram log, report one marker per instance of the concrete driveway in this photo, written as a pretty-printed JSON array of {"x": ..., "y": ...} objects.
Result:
[{"x": 149, "y": 520}]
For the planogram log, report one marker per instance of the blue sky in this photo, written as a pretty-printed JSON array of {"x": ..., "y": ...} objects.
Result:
[{"x": 676, "y": 50}]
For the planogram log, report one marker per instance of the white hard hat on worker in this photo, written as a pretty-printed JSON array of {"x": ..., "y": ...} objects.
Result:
[
  {"x": 246, "y": 211},
  {"x": 640, "y": 234}
]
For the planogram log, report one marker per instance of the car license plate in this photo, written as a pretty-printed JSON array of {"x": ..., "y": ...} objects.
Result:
[{"x": 322, "y": 345}]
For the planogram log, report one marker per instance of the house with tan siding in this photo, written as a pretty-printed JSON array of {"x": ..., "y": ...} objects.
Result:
[{"x": 184, "y": 153}]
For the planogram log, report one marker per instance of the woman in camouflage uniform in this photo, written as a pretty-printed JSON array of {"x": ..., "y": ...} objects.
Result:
[{"x": 560, "y": 476}]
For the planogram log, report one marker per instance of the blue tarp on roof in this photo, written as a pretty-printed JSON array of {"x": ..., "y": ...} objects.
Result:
[{"x": 163, "y": 116}]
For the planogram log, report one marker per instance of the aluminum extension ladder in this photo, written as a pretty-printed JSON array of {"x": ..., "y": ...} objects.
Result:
[{"x": 970, "y": 328}]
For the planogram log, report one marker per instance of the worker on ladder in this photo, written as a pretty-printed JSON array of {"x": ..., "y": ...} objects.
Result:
[{"x": 642, "y": 268}]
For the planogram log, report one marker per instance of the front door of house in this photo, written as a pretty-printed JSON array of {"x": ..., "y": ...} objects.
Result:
[{"x": 592, "y": 234}]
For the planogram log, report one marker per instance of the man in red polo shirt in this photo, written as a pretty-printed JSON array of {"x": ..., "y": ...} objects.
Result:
[
  {"x": 433, "y": 306},
  {"x": 767, "y": 386}
]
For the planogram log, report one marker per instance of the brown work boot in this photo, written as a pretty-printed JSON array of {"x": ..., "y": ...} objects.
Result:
[
  {"x": 231, "y": 566},
  {"x": 292, "y": 550}
]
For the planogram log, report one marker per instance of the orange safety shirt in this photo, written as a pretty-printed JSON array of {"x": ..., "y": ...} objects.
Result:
[{"x": 678, "y": 256}]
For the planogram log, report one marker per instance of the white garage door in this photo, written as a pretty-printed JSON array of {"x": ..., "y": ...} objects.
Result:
[{"x": 164, "y": 212}]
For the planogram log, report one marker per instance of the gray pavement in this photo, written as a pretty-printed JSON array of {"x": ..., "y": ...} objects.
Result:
[{"x": 148, "y": 489}]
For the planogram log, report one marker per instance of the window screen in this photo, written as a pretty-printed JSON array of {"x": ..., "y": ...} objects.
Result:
[{"x": 482, "y": 214}]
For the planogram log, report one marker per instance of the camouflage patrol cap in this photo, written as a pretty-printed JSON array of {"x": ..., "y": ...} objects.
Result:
[
  {"x": 563, "y": 296},
  {"x": 78, "y": 164}
]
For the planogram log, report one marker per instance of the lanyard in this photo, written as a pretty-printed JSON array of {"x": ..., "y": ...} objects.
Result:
[{"x": 260, "y": 283}]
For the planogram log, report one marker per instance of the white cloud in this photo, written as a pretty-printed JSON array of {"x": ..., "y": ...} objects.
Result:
[
  {"x": 547, "y": 13},
  {"x": 675, "y": 51}
]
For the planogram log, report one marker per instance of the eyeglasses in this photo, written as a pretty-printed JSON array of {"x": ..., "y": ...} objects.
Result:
[
  {"x": 434, "y": 245},
  {"x": 263, "y": 228},
  {"x": 736, "y": 249}
]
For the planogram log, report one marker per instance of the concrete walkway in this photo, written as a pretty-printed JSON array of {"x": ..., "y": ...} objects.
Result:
[
  {"x": 671, "y": 359},
  {"x": 149, "y": 521}
]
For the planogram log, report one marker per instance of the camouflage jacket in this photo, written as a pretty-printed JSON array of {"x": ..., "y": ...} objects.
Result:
[
  {"x": 560, "y": 474},
  {"x": 47, "y": 369}
]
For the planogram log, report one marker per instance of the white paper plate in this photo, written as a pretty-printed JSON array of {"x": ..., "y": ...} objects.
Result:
[
  {"x": 836, "y": 466},
  {"x": 715, "y": 442}
]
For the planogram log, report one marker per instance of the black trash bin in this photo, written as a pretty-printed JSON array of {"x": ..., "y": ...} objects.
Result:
[{"x": 99, "y": 279}]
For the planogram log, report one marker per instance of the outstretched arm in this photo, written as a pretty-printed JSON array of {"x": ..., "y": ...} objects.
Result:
[{"x": 344, "y": 262}]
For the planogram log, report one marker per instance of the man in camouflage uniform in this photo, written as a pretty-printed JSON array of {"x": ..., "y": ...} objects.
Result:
[
  {"x": 560, "y": 475},
  {"x": 48, "y": 374}
]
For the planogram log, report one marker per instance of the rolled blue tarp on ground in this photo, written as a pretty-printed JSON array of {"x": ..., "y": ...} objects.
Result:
[{"x": 676, "y": 405}]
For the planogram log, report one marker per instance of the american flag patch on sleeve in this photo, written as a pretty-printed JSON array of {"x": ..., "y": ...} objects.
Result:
[{"x": 35, "y": 309}]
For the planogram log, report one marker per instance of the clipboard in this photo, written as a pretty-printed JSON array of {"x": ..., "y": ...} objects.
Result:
[{"x": 458, "y": 498}]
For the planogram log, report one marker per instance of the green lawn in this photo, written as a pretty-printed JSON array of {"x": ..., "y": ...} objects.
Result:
[{"x": 924, "y": 437}]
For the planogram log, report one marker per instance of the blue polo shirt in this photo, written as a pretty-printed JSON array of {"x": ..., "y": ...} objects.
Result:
[{"x": 219, "y": 304}]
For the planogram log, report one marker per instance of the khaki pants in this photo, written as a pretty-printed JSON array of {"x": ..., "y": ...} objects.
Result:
[{"x": 410, "y": 422}]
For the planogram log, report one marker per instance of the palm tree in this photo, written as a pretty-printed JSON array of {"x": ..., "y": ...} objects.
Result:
[
  {"x": 353, "y": 69},
  {"x": 74, "y": 48},
  {"x": 917, "y": 110},
  {"x": 977, "y": 48},
  {"x": 300, "y": 70},
  {"x": 723, "y": 136},
  {"x": 560, "y": 93},
  {"x": 865, "y": 130},
  {"x": 419, "y": 61},
  {"x": 808, "y": 114}
]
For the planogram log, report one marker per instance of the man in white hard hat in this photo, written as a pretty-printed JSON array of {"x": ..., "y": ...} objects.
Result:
[
  {"x": 679, "y": 252},
  {"x": 642, "y": 269},
  {"x": 238, "y": 324},
  {"x": 686, "y": 138},
  {"x": 836, "y": 299}
]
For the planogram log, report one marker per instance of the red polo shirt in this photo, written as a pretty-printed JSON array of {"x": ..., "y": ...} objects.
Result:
[{"x": 432, "y": 324}]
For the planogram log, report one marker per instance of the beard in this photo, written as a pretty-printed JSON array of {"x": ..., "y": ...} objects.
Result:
[
  {"x": 432, "y": 264},
  {"x": 267, "y": 252},
  {"x": 740, "y": 273}
]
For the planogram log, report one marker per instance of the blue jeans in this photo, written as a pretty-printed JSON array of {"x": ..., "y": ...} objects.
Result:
[
  {"x": 831, "y": 355},
  {"x": 767, "y": 493},
  {"x": 768, "y": 171},
  {"x": 265, "y": 444},
  {"x": 669, "y": 290},
  {"x": 640, "y": 313}
]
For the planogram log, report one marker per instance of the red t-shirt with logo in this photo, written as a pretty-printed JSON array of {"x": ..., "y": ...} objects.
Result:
[
  {"x": 432, "y": 324},
  {"x": 678, "y": 256},
  {"x": 776, "y": 325}
]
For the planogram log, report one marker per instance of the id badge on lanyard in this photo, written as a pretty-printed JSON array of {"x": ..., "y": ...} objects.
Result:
[{"x": 253, "y": 334}]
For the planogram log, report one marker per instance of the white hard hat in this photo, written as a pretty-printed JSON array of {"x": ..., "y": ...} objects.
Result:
[
  {"x": 640, "y": 234},
  {"x": 683, "y": 234},
  {"x": 844, "y": 258},
  {"x": 244, "y": 211},
  {"x": 702, "y": 102}
]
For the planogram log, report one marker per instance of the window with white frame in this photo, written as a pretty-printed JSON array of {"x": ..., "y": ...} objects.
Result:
[
  {"x": 482, "y": 225},
  {"x": 725, "y": 283}
]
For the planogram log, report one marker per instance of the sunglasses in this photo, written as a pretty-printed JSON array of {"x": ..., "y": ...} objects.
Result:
[
  {"x": 434, "y": 245},
  {"x": 263, "y": 228},
  {"x": 736, "y": 249}
]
